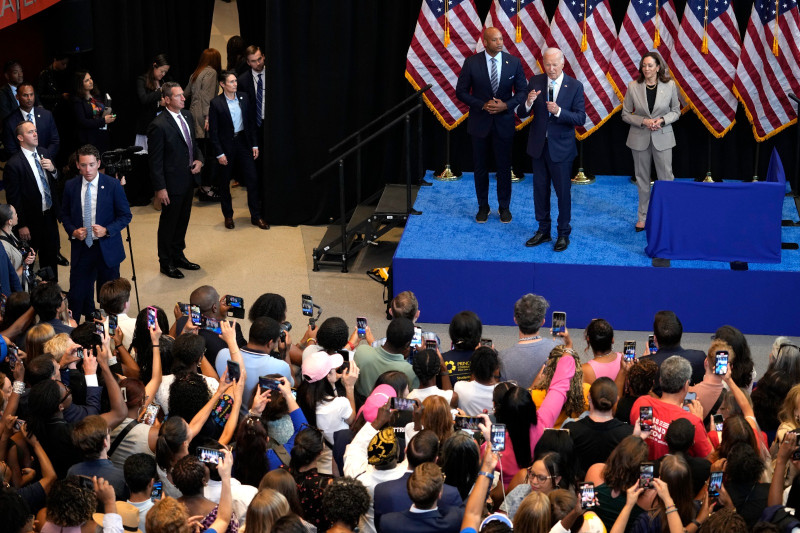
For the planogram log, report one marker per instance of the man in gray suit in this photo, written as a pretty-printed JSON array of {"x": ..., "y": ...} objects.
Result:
[{"x": 651, "y": 106}]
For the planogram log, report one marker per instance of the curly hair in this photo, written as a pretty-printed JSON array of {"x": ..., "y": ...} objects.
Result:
[
  {"x": 790, "y": 404},
  {"x": 187, "y": 395},
  {"x": 13, "y": 509},
  {"x": 345, "y": 500},
  {"x": 188, "y": 475},
  {"x": 641, "y": 377},
  {"x": 727, "y": 520},
  {"x": 167, "y": 516},
  {"x": 744, "y": 465},
  {"x": 269, "y": 304},
  {"x": 622, "y": 466},
  {"x": 575, "y": 404},
  {"x": 69, "y": 504}
]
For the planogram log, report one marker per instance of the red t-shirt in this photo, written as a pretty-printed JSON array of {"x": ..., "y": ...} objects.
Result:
[{"x": 663, "y": 414}]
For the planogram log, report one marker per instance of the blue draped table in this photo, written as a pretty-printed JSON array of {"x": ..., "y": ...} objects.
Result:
[{"x": 729, "y": 221}]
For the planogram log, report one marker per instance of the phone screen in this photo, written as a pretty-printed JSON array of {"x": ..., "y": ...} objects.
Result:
[
  {"x": 645, "y": 475},
  {"x": 651, "y": 344},
  {"x": 498, "y": 437},
  {"x": 234, "y": 372},
  {"x": 308, "y": 305},
  {"x": 629, "y": 350},
  {"x": 150, "y": 415},
  {"x": 361, "y": 325},
  {"x": 235, "y": 301},
  {"x": 559, "y": 322},
  {"x": 714, "y": 484},
  {"x": 151, "y": 317},
  {"x": 468, "y": 422},
  {"x": 209, "y": 455},
  {"x": 646, "y": 418},
  {"x": 268, "y": 383},
  {"x": 100, "y": 329},
  {"x": 155, "y": 495},
  {"x": 721, "y": 365},
  {"x": 718, "y": 422},
  {"x": 486, "y": 342},
  {"x": 402, "y": 404},
  {"x": 587, "y": 495},
  {"x": 112, "y": 324},
  {"x": 212, "y": 324},
  {"x": 416, "y": 342},
  {"x": 194, "y": 312}
]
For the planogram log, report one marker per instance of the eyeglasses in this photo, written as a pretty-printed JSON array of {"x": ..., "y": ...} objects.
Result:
[
  {"x": 537, "y": 477},
  {"x": 67, "y": 391}
]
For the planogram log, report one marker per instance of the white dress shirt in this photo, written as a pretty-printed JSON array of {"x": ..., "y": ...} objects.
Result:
[
  {"x": 180, "y": 120},
  {"x": 489, "y": 59},
  {"x": 32, "y": 162},
  {"x": 556, "y": 89}
]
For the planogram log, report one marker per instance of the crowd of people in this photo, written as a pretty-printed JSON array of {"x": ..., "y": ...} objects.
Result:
[{"x": 173, "y": 421}]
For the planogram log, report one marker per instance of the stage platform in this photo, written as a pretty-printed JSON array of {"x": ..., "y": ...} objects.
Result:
[{"x": 452, "y": 263}]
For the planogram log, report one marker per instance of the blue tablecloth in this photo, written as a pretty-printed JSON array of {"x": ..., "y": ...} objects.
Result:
[{"x": 730, "y": 221}]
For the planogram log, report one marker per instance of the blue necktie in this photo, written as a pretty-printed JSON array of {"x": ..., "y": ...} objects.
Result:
[
  {"x": 30, "y": 117},
  {"x": 259, "y": 100},
  {"x": 87, "y": 214},
  {"x": 494, "y": 77},
  {"x": 48, "y": 200}
]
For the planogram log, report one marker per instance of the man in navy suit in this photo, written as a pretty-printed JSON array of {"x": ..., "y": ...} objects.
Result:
[
  {"x": 427, "y": 514},
  {"x": 253, "y": 83},
  {"x": 8, "y": 93},
  {"x": 95, "y": 212},
  {"x": 232, "y": 129},
  {"x": 30, "y": 177},
  {"x": 492, "y": 83},
  {"x": 392, "y": 496},
  {"x": 551, "y": 143},
  {"x": 175, "y": 163},
  {"x": 41, "y": 118}
]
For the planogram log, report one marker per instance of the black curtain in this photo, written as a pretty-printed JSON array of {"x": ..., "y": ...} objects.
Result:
[
  {"x": 334, "y": 66},
  {"x": 127, "y": 35}
]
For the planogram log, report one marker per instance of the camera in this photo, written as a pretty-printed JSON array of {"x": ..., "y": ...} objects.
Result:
[
  {"x": 118, "y": 161},
  {"x": 285, "y": 326}
]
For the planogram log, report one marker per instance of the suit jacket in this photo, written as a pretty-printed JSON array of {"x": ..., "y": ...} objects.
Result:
[
  {"x": 87, "y": 125},
  {"x": 22, "y": 189},
  {"x": 8, "y": 102},
  {"x": 392, "y": 497},
  {"x": 45, "y": 127},
  {"x": 474, "y": 88},
  {"x": 220, "y": 124},
  {"x": 9, "y": 281},
  {"x": 635, "y": 110},
  {"x": 695, "y": 357},
  {"x": 442, "y": 520},
  {"x": 112, "y": 211},
  {"x": 169, "y": 165},
  {"x": 559, "y": 130},
  {"x": 202, "y": 90},
  {"x": 247, "y": 85}
]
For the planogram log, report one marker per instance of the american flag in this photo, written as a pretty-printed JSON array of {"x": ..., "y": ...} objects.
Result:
[
  {"x": 705, "y": 59},
  {"x": 648, "y": 25},
  {"x": 587, "y": 46},
  {"x": 769, "y": 67},
  {"x": 524, "y": 25},
  {"x": 446, "y": 34}
]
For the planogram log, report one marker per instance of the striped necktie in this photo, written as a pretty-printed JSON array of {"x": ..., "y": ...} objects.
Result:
[
  {"x": 495, "y": 79},
  {"x": 87, "y": 214}
]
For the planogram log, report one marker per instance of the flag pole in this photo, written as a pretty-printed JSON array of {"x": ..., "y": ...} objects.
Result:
[
  {"x": 708, "y": 178},
  {"x": 447, "y": 174},
  {"x": 581, "y": 178},
  {"x": 755, "y": 165}
]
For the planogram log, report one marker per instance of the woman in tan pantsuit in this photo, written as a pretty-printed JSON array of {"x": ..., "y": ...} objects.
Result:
[
  {"x": 202, "y": 87},
  {"x": 651, "y": 106}
]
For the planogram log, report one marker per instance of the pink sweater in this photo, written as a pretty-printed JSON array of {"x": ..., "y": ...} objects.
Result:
[
  {"x": 546, "y": 415},
  {"x": 606, "y": 370}
]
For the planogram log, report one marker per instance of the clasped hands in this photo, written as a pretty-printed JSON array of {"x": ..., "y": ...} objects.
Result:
[
  {"x": 495, "y": 106},
  {"x": 98, "y": 232},
  {"x": 653, "y": 124}
]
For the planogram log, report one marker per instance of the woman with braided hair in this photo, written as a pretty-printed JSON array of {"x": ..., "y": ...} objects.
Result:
[
  {"x": 578, "y": 394},
  {"x": 428, "y": 364}
]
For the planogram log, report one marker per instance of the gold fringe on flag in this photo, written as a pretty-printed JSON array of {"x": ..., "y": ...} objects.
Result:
[
  {"x": 446, "y": 24},
  {"x": 777, "y": 29},
  {"x": 584, "y": 40},
  {"x": 657, "y": 35},
  {"x": 704, "y": 47},
  {"x": 519, "y": 22}
]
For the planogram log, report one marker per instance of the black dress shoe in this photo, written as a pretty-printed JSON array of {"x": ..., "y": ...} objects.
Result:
[
  {"x": 260, "y": 223},
  {"x": 561, "y": 243},
  {"x": 188, "y": 265},
  {"x": 538, "y": 239},
  {"x": 208, "y": 196},
  {"x": 171, "y": 272},
  {"x": 229, "y": 224},
  {"x": 638, "y": 229},
  {"x": 483, "y": 214},
  {"x": 505, "y": 215},
  {"x": 62, "y": 261}
]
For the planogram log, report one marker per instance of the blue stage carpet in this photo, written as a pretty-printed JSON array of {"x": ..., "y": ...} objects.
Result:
[{"x": 486, "y": 267}]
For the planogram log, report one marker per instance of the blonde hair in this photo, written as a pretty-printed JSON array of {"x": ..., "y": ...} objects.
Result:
[
  {"x": 786, "y": 414},
  {"x": 265, "y": 509},
  {"x": 719, "y": 345},
  {"x": 533, "y": 515},
  {"x": 436, "y": 417},
  {"x": 37, "y": 336},
  {"x": 57, "y": 346},
  {"x": 167, "y": 516}
]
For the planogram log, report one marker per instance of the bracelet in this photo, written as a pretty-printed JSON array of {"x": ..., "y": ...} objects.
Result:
[
  {"x": 671, "y": 507},
  {"x": 156, "y": 346},
  {"x": 489, "y": 475},
  {"x": 18, "y": 387},
  {"x": 116, "y": 346},
  {"x": 309, "y": 340},
  {"x": 251, "y": 413},
  {"x": 696, "y": 523},
  {"x": 350, "y": 346},
  {"x": 673, "y": 510}
]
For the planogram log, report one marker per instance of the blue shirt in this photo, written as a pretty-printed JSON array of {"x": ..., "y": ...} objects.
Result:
[
  {"x": 257, "y": 364},
  {"x": 236, "y": 113}
]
